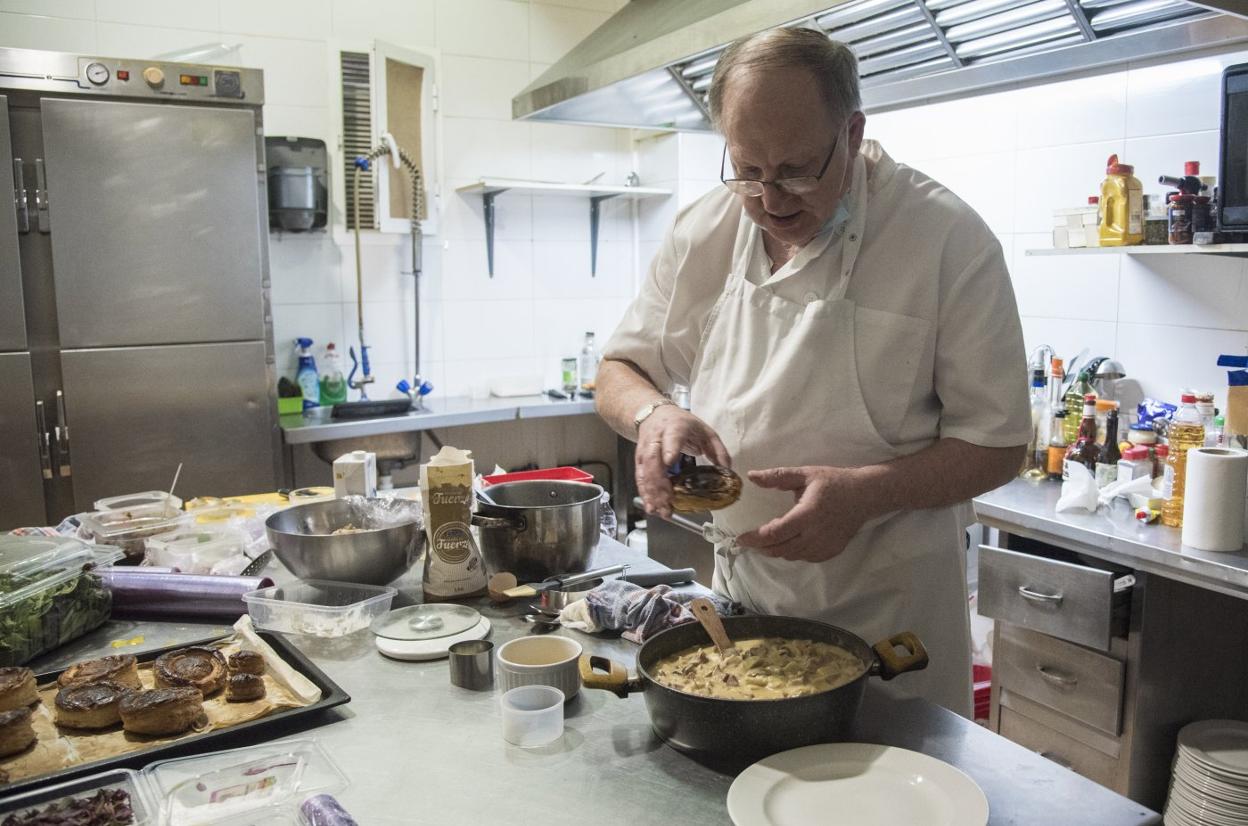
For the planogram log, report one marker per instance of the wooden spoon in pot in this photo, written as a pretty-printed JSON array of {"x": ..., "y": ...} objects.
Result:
[{"x": 704, "y": 610}]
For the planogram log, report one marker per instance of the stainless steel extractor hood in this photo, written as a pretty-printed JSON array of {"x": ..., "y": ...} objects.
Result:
[{"x": 650, "y": 64}]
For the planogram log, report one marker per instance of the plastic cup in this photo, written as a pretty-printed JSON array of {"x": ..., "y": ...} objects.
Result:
[{"x": 532, "y": 715}]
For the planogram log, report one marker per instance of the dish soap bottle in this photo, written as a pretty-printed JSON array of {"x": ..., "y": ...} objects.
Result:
[
  {"x": 306, "y": 376},
  {"x": 1122, "y": 206},
  {"x": 333, "y": 383}
]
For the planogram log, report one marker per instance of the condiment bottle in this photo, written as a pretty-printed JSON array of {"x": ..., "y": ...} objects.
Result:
[
  {"x": 1084, "y": 450},
  {"x": 1122, "y": 206},
  {"x": 1057, "y": 445}
]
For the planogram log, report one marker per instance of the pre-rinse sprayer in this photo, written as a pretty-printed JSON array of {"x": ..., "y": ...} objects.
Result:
[{"x": 364, "y": 163}]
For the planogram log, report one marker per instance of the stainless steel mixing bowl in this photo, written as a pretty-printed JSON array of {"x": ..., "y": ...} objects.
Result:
[{"x": 391, "y": 540}]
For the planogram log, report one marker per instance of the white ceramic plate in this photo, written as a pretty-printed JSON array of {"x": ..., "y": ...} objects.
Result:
[
  {"x": 862, "y": 784},
  {"x": 1220, "y": 744}
]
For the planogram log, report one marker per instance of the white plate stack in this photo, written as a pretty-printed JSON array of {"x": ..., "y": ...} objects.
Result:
[{"x": 1210, "y": 782}]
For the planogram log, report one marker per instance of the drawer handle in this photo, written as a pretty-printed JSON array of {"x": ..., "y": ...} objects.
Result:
[
  {"x": 1056, "y": 758},
  {"x": 1056, "y": 677},
  {"x": 1036, "y": 596}
]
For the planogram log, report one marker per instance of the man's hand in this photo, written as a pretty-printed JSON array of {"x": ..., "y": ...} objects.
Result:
[
  {"x": 664, "y": 435},
  {"x": 832, "y": 503}
]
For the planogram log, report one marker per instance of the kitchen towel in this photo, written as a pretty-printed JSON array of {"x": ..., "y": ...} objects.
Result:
[
  {"x": 1213, "y": 503},
  {"x": 639, "y": 613}
]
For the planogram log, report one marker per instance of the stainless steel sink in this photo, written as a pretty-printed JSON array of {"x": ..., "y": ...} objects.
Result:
[{"x": 389, "y": 447}]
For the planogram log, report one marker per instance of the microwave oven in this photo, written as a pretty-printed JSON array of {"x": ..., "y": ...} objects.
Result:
[{"x": 1233, "y": 153}]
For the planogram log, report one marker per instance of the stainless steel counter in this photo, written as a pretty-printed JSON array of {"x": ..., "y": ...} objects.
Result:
[
  {"x": 419, "y": 750},
  {"x": 317, "y": 426},
  {"x": 1028, "y": 509}
]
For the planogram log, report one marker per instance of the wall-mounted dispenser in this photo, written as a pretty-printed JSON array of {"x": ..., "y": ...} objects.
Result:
[{"x": 298, "y": 175}]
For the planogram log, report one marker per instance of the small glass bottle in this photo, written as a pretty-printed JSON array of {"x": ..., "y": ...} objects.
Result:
[
  {"x": 588, "y": 364},
  {"x": 1159, "y": 454},
  {"x": 1216, "y": 435},
  {"x": 1038, "y": 446},
  {"x": 1057, "y": 446},
  {"x": 1084, "y": 450},
  {"x": 1107, "y": 460},
  {"x": 1180, "y": 217}
]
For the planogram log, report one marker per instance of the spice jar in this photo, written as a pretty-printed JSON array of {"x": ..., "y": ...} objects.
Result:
[
  {"x": 1134, "y": 464},
  {"x": 1159, "y": 455},
  {"x": 1203, "y": 219},
  {"x": 1180, "y": 217}
]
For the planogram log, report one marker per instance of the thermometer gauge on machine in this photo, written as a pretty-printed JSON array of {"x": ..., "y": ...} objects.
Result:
[{"x": 97, "y": 73}]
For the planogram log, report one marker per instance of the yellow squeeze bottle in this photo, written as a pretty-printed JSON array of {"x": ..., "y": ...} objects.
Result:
[{"x": 1122, "y": 206}]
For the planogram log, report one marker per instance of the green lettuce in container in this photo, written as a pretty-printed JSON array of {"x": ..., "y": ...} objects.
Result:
[{"x": 49, "y": 594}]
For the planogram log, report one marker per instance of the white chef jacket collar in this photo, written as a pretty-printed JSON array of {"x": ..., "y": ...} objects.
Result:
[{"x": 855, "y": 201}]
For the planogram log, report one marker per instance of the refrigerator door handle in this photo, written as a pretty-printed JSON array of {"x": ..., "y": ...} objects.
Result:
[
  {"x": 45, "y": 441},
  {"x": 20, "y": 196},
  {"x": 62, "y": 436},
  {"x": 41, "y": 197}
]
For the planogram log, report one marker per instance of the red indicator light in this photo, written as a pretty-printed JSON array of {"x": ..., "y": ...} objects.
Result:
[{"x": 123, "y": 74}]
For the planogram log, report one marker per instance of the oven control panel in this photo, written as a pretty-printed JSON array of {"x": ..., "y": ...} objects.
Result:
[{"x": 158, "y": 79}]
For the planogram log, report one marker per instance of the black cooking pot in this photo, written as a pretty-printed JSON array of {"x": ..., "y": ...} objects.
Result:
[{"x": 732, "y": 733}]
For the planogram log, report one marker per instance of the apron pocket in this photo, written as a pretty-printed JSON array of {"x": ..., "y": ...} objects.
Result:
[{"x": 890, "y": 349}]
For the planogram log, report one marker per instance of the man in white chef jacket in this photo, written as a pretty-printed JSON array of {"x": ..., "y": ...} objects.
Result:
[{"x": 848, "y": 332}]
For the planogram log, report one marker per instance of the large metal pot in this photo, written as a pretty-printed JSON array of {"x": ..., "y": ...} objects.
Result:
[
  {"x": 734, "y": 733},
  {"x": 535, "y": 529}
]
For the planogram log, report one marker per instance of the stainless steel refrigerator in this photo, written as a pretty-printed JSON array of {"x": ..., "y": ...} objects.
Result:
[{"x": 135, "y": 329}]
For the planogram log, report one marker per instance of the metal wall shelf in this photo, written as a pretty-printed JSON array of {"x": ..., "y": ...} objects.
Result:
[
  {"x": 491, "y": 188},
  {"x": 1235, "y": 250}
]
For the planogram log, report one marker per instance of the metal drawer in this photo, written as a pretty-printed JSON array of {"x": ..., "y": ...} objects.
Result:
[
  {"x": 1065, "y": 677},
  {"x": 1073, "y": 602},
  {"x": 1087, "y": 761}
]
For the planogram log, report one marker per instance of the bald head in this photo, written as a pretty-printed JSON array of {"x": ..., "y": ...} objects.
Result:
[{"x": 780, "y": 52}]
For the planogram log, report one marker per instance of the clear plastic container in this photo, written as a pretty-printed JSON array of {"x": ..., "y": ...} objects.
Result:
[
  {"x": 318, "y": 607},
  {"x": 48, "y": 595},
  {"x": 199, "y": 550},
  {"x": 130, "y": 533},
  {"x": 142, "y": 805},
  {"x": 148, "y": 503},
  {"x": 532, "y": 715},
  {"x": 255, "y": 785}
]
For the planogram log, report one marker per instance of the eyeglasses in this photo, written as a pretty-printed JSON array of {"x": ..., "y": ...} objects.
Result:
[{"x": 797, "y": 185}]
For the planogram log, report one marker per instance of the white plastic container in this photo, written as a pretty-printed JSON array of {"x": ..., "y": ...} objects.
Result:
[
  {"x": 355, "y": 474},
  {"x": 199, "y": 550},
  {"x": 142, "y": 804},
  {"x": 148, "y": 503},
  {"x": 318, "y": 607},
  {"x": 532, "y": 715}
]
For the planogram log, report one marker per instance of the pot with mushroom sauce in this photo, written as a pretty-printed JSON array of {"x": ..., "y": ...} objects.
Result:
[
  {"x": 763, "y": 669},
  {"x": 806, "y": 679}
]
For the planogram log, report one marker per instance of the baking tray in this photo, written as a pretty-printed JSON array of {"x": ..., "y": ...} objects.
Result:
[{"x": 243, "y": 734}]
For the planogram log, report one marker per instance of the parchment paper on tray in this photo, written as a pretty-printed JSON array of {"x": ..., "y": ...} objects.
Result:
[{"x": 60, "y": 748}]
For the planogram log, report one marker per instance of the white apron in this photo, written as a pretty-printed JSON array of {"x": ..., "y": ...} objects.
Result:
[{"x": 779, "y": 382}]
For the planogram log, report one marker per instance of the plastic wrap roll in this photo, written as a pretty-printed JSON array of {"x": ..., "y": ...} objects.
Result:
[
  {"x": 325, "y": 810},
  {"x": 139, "y": 591},
  {"x": 1213, "y": 502}
]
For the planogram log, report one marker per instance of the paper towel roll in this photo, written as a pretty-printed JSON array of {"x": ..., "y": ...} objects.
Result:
[{"x": 1213, "y": 501}]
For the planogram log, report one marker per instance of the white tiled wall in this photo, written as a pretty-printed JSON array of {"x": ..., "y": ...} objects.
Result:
[
  {"x": 1017, "y": 155},
  {"x": 474, "y": 328}
]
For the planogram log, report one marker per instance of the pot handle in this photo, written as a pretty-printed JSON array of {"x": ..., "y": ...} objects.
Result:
[
  {"x": 514, "y": 524},
  {"x": 614, "y": 680},
  {"x": 889, "y": 663}
]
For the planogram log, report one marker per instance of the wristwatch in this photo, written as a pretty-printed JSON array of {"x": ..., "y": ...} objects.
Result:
[{"x": 644, "y": 413}]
